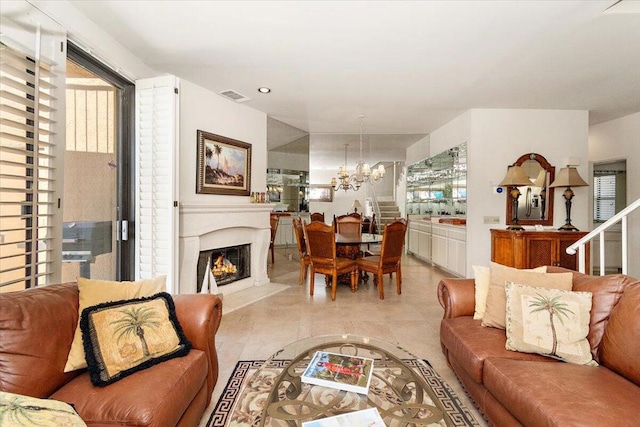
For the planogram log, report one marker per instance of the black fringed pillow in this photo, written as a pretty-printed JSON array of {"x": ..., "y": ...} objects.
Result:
[{"x": 123, "y": 337}]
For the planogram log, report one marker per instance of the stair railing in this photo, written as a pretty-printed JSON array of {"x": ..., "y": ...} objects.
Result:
[
  {"x": 579, "y": 245},
  {"x": 374, "y": 201}
]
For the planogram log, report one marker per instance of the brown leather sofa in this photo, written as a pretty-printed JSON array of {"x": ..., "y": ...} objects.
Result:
[
  {"x": 36, "y": 331},
  {"x": 512, "y": 388}
]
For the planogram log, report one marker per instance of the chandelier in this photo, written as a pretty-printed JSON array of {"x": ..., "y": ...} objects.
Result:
[{"x": 362, "y": 174}]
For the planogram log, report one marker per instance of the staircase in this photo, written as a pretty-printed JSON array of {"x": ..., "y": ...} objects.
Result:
[{"x": 388, "y": 212}]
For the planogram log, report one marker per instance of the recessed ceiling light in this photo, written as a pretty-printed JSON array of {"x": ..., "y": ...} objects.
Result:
[{"x": 264, "y": 89}]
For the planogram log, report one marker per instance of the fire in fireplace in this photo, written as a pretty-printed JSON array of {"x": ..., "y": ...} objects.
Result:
[{"x": 226, "y": 264}]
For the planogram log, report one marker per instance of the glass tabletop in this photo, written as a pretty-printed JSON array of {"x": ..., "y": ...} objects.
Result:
[
  {"x": 398, "y": 388},
  {"x": 352, "y": 239}
]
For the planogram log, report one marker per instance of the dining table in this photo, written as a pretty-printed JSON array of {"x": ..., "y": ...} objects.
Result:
[
  {"x": 348, "y": 246},
  {"x": 357, "y": 239}
]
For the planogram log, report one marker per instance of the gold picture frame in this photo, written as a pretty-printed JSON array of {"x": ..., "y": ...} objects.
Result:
[
  {"x": 320, "y": 193},
  {"x": 223, "y": 165}
]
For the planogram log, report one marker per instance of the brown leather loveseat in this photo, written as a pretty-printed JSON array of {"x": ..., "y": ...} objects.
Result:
[
  {"x": 36, "y": 330},
  {"x": 513, "y": 388}
]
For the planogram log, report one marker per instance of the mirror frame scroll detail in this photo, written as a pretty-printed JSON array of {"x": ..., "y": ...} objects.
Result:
[{"x": 551, "y": 170}]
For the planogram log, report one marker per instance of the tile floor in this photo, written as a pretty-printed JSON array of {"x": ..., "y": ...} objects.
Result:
[{"x": 256, "y": 330}]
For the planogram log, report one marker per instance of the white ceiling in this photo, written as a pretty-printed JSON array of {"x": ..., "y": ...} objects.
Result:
[{"x": 409, "y": 66}]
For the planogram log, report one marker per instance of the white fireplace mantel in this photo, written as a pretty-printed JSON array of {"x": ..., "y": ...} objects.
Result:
[{"x": 209, "y": 226}]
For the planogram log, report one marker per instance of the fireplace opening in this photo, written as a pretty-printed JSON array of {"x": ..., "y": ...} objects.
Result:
[{"x": 225, "y": 265}]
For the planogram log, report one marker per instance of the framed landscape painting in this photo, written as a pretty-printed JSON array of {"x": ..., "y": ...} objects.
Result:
[
  {"x": 224, "y": 165},
  {"x": 320, "y": 193}
]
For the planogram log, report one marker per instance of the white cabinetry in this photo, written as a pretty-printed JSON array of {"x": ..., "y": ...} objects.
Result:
[
  {"x": 449, "y": 248},
  {"x": 457, "y": 251},
  {"x": 439, "y": 248},
  {"x": 420, "y": 239},
  {"x": 284, "y": 235}
]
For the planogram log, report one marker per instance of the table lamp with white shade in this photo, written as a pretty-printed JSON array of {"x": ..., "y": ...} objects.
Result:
[
  {"x": 568, "y": 177},
  {"x": 515, "y": 178},
  {"x": 356, "y": 205}
]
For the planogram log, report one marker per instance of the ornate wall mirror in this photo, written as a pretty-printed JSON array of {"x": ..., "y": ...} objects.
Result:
[{"x": 535, "y": 205}]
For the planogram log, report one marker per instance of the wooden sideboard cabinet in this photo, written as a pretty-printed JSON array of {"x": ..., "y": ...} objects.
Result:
[{"x": 530, "y": 249}]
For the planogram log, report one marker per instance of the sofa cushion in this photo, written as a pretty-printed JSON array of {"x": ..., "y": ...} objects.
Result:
[
  {"x": 620, "y": 348},
  {"x": 38, "y": 338},
  {"x": 494, "y": 315},
  {"x": 93, "y": 292},
  {"x": 471, "y": 344},
  {"x": 606, "y": 292},
  {"x": 561, "y": 394},
  {"x": 155, "y": 397},
  {"x": 549, "y": 322}
]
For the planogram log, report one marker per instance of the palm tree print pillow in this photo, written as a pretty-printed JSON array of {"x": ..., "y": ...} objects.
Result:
[
  {"x": 124, "y": 337},
  {"x": 550, "y": 322},
  {"x": 26, "y": 411}
]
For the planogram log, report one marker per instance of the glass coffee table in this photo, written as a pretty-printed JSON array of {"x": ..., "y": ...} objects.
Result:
[{"x": 398, "y": 389}]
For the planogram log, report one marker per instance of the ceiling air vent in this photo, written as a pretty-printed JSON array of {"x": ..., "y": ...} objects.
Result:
[{"x": 234, "y": 96}]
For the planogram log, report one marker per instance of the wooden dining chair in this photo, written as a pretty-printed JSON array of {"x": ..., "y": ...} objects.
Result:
[
  {"x": 369, "y": 224},
  {"x": 317, "y": 216},
  {"x": 274, "y": 220},
  {"x": 321, "y": 244},
  {"x": 305, "y": 260},
  {"x": 389, "y": 259},
  {"x": 348, "y": 225}
]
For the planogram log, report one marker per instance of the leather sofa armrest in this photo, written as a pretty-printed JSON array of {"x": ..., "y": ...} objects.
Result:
[
  {"x": 457, "y": 297},
  {"x": 199, "y": 316}
]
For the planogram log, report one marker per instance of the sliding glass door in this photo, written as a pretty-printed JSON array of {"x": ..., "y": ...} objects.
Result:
[{"x": 97, "y": 240}]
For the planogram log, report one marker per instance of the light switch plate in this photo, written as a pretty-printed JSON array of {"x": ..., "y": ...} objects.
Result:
[{"x": 491, "y": 219}]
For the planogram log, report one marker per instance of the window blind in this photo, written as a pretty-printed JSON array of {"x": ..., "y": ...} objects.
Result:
[
  {"x": 604, "y": 197},
  {"x": 156, "y": 164},
  {"x": 27, "y": 155}
]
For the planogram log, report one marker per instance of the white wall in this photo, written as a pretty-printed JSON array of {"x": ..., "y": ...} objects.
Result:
[
  {"x": 616, "y": 140},
  {"x": 418, "y": 151},
  {"x": 292, "y": 161},
  {"x": 495, "y": 139},
  {"x": 385, "y": 187},
  {"x": 88, "y": 35},
  {"x": 199, "y": 108},
  {"x": 342, "y": 200},
  {"x": 205, "y": 110},
  {"x": 453, "y": 133}
]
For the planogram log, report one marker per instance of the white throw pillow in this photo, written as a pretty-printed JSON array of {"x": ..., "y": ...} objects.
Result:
[
  {"x": 550, "y": 322},
  {"x": 494, "y": 315},
  {"x": 482, "y": 277},
  {"x": 25, "y": 411}
]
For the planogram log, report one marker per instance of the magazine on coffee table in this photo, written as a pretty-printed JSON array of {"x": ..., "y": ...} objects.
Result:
[
  {"x": 366, "y": 418},
  {"x": 340, "y": 371}
]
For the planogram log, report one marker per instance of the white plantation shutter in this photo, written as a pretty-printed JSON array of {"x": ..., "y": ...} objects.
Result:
[
  {"x": 156, "y": 179},
  {"x": 28, "y": 157}
]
